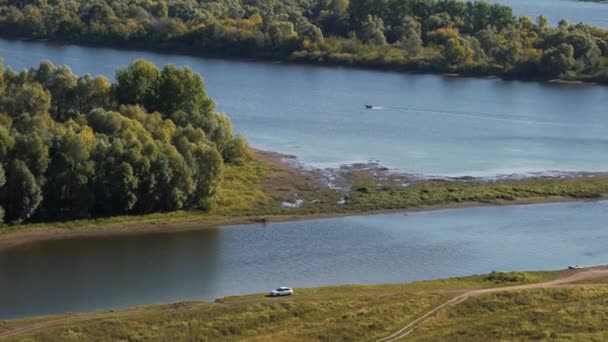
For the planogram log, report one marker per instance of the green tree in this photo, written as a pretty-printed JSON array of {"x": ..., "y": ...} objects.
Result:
[
  {"x": 92, "y": 93},
  {"x": 138, "y": 84},
  {"x": 238, "y": 151},
  {"x": 22, "y": 195},
  {"x": 68, "y": 175},
  {"x": 557, "y": 61},
  {"x": 542, "y": 22},
  {"x": 372, "y": 31},
  {"x": 2, "y": 182},
  {"x": 207, "y": 174},
  {"x": 6, "y": 142},
  {"x": 62, "y": 84},
  {"x": 30, "y": 149},
  {"x": 457, "y": 52},
  {"x": 183, "y": 90},
  {"x": 29, "y": 98}
]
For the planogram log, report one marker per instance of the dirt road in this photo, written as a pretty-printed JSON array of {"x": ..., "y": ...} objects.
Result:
[{"x": 563, "y": 281}]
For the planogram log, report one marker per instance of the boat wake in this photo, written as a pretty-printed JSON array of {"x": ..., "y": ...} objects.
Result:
[{"x": 512, "y": 118}]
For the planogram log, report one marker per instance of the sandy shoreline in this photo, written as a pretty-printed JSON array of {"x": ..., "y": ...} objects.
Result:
[{"x": 17, "y": 237}]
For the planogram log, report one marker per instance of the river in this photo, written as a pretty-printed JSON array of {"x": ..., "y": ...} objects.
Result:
[
  {"x": 88, "y": 274},
  {"x": 424, "y": 124},
  {"x": 590, "y": 12}
]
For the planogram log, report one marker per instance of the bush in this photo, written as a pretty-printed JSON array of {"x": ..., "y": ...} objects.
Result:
[
  {"x": 238, "y": 151},
  {"x": 506, "y": 277}
]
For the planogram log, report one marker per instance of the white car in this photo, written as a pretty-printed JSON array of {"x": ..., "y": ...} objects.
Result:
[
  {"x": 574, "y": 267},
  {"x": 281, "y": 291}
]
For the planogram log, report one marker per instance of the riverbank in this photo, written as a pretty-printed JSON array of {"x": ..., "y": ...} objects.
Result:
[
  {"x": 274, "y": 187},
  {"x": 423, "y": 69},
  {"x": 513, "y": 305}
]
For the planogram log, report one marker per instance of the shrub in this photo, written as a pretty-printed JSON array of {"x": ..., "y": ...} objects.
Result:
[{"x": 506, "y": 277}]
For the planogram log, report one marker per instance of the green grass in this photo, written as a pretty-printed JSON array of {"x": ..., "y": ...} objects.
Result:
[
  {"x": 340, "y": 313},
  {"x": 431, "y": 193},
  {"x": 254, "y": 191},
  {"x": 568, "y": 314}
]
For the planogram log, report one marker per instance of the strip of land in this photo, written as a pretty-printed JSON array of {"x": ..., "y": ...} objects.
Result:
[
  {"x": 273, "y": 187},
  {"x": 514, "y": 305}
]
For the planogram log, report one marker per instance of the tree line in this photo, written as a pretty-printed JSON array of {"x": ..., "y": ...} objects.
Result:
[
  {"x": 79, "y": 147},
  {"x": 431, "y": 35}
]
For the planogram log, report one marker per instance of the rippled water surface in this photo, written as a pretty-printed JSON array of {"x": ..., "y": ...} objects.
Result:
[
  {"x": 590, "y": 12},
  {"x": 101, "y": 273},
  {"x": 424, "y": 124}
]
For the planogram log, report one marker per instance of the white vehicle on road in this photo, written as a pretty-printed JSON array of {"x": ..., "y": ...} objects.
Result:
[{"x": 281, "y": 291}]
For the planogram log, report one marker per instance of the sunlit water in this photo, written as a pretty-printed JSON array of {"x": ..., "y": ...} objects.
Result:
[
  {"x": 422, "y": 124},
  {"x": 593, "y": 13},
  {"x": 88, "y": 274},
  {"x": 428, "y": 124}
]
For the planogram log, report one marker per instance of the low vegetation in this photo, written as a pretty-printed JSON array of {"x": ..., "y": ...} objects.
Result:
[
  {"x": 374, "y": 195},
  {"x": 568, "y": 314},
  {"x": 472, "y": 37},
  {"x": 506, "y": 277},
  {"x": 81, "y": 152},
  {"x": 349, "y": 313},
  {"x": 253, "y": 191}
]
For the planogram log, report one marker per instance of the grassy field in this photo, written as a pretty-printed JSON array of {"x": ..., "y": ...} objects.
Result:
[
  {"x": 342, "y": 313},
  {"x": 255, "y": 191},
  {"x": 567, "y": 314}
]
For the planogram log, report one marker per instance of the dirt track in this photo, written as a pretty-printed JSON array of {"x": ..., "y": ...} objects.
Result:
[{"x": 563, "y": 281}]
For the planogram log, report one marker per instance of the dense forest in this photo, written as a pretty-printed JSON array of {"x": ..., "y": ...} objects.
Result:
[
  {"x": 78, "y": 147},
  {"x": 430, "y": 35}
]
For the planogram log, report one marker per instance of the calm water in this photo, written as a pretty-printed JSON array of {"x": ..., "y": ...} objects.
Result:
[
  {"x": 593, "y": 13},
  {"x": 429, "y": 125},
  {"x": 113, "y": 272}
]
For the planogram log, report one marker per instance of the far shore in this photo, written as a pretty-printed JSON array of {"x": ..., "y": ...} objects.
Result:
[
  {"x": 195, "y": 220},
  {"x": 168, "y": 49}
]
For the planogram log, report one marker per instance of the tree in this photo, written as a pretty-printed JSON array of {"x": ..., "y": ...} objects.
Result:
[
  {"x": 62, "y": 84},
  {"x": 238, "y": 151},
  {"x": 372, "y": 31},
  {"x": 34, "y": 153},
  {"x": 207, "y": 175},
  {"x": 30, "y": 98},
  {"x": 557, "y": 61},
  {"x": 2, "y": 182},
  {"x": 68, "y": 174},
  {"x": 22, "y": 195},
  {"x": 182, "y": 90},
  {"x": 283, "y": 35},
  {"x": 92, "y": 93},
  {"x": 457, "y": 52},
  {"x": 138, "y": 84},
  {"x": 6, "y": 143},
  {"x": 90, "y": 160},
  {"x": 117, "y": 188},
  {"x": 542, "y": 22}
]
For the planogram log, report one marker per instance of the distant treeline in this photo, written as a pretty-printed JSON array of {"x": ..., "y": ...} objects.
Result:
[
  {"x": 79, "y": 147},
  {"x": 429, "y": 35}
]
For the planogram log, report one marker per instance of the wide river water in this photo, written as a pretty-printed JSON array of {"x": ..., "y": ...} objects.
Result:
[
  {"x": 590, "y": 12},
  {"x": 88, "y": 274},
  {"x": 428, "y": 124},
  {"x": 425, "y": 124}
]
